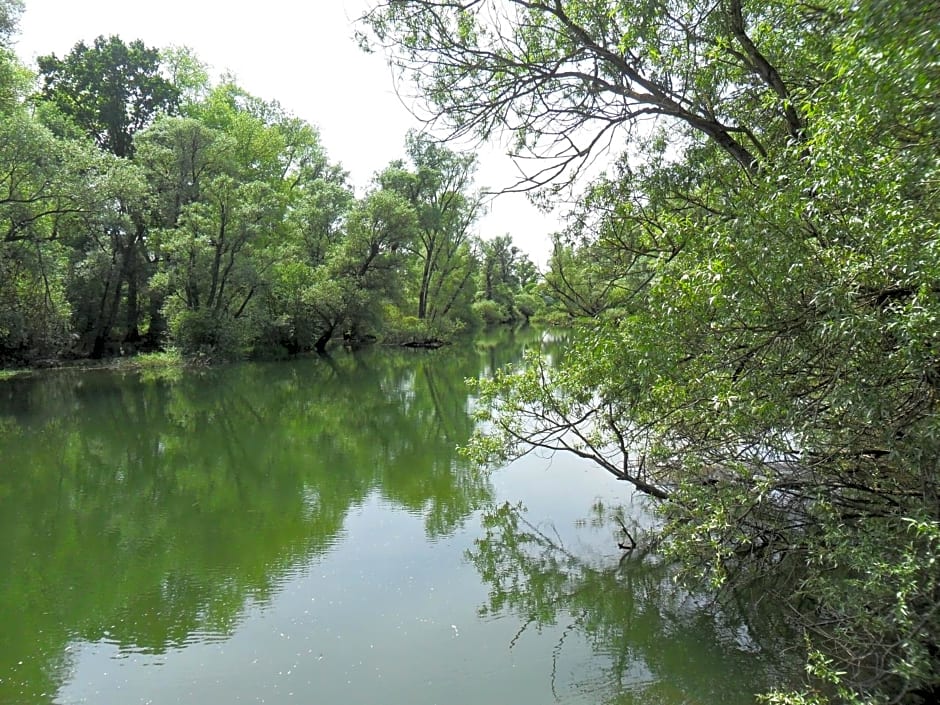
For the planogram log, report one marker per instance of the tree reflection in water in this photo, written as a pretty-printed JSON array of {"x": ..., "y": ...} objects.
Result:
[
  {"x": 659, "y": 642},
  {"x": 154, "y": 513}
]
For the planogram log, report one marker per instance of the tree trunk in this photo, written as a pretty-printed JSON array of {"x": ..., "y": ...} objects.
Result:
[
  {"x": 132, "y": 314},
  {"x": 157, "y": 325},
  {"x": 320, "y": 345}
]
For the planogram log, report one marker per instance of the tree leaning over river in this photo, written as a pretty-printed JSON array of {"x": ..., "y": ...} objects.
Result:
[{"x": 766, "y": 366}]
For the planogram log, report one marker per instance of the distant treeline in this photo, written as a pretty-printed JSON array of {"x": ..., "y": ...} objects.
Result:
[{"x": 144, "y": 206}]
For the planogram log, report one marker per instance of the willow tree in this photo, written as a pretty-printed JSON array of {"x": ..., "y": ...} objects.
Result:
[
  {"x": 53, "y": 193},
  {"x": 438, "y": 184},
  {"x": 770, "y": 377},
  {"x": 12, "y": 75},
  {"x": 566, "y": 78},
  {"x": 224, "y": 180},
  {"x": 109, "y": 92}
]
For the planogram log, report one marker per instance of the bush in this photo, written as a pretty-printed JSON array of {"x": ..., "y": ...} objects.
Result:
[
  {"x": 527, "y": 305},
  {"x": 491, "y": 313},
  {"x": 202, "y": 333}
]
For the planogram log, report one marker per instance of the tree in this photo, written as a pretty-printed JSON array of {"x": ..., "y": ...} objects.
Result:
[
  {"x": 566, "y": 78},
  {"x": 247, "y": 211},
  {"x": 9, "y": 19},
  {"x": 378, "y": 232},
  {"x": 768, "y": 374},
  {"x": 12, "y": 79},
  {"x": 439, "y": 190},
  {"x": 604, "y": 256},
  {"x": 56, "y": 196},
  {"x": 505, "y": 272},
  {"x": 303, "y": 307},
  {"x": 364, "y": 269},
  {"x": 111, "y": 90},
  {"x": 187, "y": 73},
  {"x": 218, "y": 213}
]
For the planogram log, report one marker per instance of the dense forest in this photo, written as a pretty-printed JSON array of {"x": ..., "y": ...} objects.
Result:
[
  {"x": 755, "y": 281},
  {"x": 753, "y": 284},
  {"x": 144, "y": 206}
]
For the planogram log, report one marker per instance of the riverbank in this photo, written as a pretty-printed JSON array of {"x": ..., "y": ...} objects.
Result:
[
  {"x": 174, "y": 359},
  {"x": 165, "y": 359}
]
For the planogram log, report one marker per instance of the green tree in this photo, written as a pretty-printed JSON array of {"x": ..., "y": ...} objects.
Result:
[
  {"x": 111, "y": 90},
  {"x": 13, "y": 80},
  {"x": 219, "y": 208},
  {"x": 439, "y": 189},
  {"x": 364, "y": 270},
  {"x": 106, "y": 256},
  {"x": 37, "y": 196},
  {"x": 563, "y": 76},
  {"x": 768, "y": 372},
  {"x": 248, "y": 210},
  {"x": 378, "y": 232},
  {"x": 56, "y": 198},
  {"x": 505, "y": 275},
  {"x": 302, "y": 307},
  {"x": 605, "y": 255},
  {"x": 187, "y": 73},
  {"x": 178, "y": 157},
  {"x": 9, "y": 18}
]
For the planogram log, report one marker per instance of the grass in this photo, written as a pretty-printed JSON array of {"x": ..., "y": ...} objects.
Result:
[
  {"x": 166, "y": 365},
  {"x": 157, "y": 363},
  {"x": 157, "y": 360}
]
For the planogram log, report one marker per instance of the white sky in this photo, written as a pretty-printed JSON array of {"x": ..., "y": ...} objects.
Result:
[{"x": 300, "y": 53}]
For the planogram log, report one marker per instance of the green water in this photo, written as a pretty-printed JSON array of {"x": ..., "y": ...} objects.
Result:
[{"x": 305, "y": 532}]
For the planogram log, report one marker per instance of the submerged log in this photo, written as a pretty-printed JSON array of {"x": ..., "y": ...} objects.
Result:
[{"x": 429, "y": 344}]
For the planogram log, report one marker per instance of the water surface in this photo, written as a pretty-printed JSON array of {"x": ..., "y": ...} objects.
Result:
[{"x": 304, "y": 531}]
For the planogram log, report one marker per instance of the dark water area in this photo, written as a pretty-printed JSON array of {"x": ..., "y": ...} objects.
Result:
[{"x": 305, "y": 531}]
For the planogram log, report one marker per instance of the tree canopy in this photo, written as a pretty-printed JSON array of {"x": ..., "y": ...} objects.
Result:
[
  {"x": 111, "y": 90},
  {"x": 754, "y": 281},
  {"x": 567, "y": 78},
  {"x": 144, "y": 205}
]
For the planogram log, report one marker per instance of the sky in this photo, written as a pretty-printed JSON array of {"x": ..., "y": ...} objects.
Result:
[{"x": 302, "y": 54}]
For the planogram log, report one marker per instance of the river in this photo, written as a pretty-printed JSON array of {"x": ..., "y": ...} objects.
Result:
[{"x": 305, "y": 532}]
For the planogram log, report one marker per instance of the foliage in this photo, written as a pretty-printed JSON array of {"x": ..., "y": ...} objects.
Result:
[
  {"x": 490, "y": 313},
  {"x": 14, "y": 79},
  {"x": 756, "y": 286},
  {"x": 438, "y": 188},
  {"x": 562, "y": 77},
  {"x": 111, "y": 90},
  {"x": 33, "y": 310},
  {"x": 156, "y": 360},
  {"x": 507, "y": 278},
  {"x": 9, "y": 17},
  {"x": 53, "y": 192},
  {"x": 144, "y": 205}
]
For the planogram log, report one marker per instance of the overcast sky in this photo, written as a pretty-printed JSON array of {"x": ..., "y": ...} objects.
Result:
[{"x": 299, "y": 53}]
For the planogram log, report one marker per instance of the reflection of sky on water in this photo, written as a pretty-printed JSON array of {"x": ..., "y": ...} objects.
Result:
[
  {"x": 389, "y": 615},
  {"x": 301, "y": 532},
  {"x": 386, "y": 616}
]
